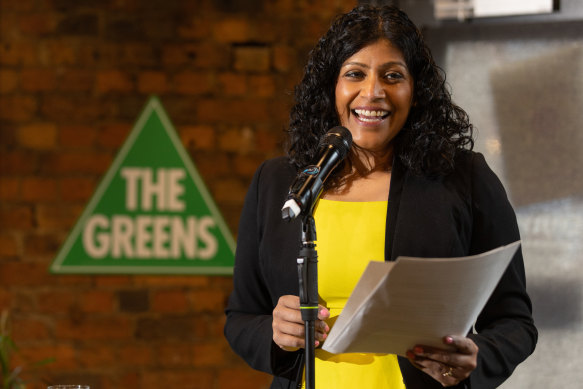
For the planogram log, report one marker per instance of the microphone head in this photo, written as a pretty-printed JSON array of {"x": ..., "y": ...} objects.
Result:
[{"x": 338, "y": 138}]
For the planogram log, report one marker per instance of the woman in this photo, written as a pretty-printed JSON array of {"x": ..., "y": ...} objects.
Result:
[{"x": 410, "y": 186}]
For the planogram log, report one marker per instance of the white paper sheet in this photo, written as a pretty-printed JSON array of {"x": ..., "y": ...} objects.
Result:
[{"x": 397, "y": 305}]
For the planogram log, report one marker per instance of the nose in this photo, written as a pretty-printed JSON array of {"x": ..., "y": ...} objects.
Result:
[{"x": 373, "y": 88}]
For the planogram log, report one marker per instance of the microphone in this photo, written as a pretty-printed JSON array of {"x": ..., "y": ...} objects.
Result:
[{"x": 307, "y": 186}]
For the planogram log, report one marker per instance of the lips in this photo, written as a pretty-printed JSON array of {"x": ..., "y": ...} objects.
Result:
[{"x": 369, "y": 115}]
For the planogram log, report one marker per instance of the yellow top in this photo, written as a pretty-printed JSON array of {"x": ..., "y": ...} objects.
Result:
[{"x": 349, "y": 235}]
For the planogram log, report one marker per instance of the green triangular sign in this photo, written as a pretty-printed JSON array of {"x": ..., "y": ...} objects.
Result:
[{"x": 151, "y": 214}]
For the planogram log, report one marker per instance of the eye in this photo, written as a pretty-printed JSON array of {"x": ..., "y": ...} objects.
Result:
[
  {"x": 393, "y": 76},
  {"x": 354, "y": 74}
]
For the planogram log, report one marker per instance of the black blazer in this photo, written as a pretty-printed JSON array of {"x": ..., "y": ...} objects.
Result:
[{"x": 464, "y": 213}]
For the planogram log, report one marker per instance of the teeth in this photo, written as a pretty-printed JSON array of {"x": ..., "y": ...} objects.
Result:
[{"x": 370, "y": 114}]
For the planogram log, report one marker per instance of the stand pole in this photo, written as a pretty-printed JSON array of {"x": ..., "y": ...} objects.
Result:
[{"x": 308, "y": 282}]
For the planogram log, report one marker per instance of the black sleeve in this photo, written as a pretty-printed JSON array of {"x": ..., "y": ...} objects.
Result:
[
  {"x": 505, "y": 331},
  {"x": 249, "y": 310}
]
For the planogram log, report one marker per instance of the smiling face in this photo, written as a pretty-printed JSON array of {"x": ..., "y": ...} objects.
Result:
[{"x": 374, "y": 93}]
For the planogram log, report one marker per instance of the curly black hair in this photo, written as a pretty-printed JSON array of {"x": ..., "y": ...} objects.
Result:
[{"x": 435, "y": 129}]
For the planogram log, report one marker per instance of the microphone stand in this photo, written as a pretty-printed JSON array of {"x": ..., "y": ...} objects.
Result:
[{"x": 308, "y": 282}]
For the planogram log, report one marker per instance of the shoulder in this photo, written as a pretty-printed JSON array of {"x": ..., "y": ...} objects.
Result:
[{"x": 483, "y": 180}]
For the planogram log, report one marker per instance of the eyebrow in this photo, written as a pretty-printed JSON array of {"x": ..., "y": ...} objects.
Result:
[{"x": 386, "y": 64}]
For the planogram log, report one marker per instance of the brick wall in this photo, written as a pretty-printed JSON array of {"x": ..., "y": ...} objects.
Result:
[{"x": 74, "y": 76}]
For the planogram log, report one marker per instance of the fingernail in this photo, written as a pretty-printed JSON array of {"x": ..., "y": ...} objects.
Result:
[
  {"x": 448, "y": 340},
  {"x": 410, "y": 354},
  {"x": 418, "y": 350}
]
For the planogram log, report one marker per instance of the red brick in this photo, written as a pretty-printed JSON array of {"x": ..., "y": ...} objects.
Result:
[
  {"x": 23, "y": 274},
  {"x": 29, "y": 329},
  {"x": 8, "y": 80},
  {"x": 201, "y": 55},
  {"x": 232, "y": 84},
  {"x": 62, "y": 356},
  {"x": 70, "y": 108},
  {"x": 71, "y": 280},
  {"x": 268, "y": 140},
  {"x": 152, "y": 82},
  {"x": 35, "y": 80},
  {"x": 76, "y": 80},
  {"x": 211, "y": 166},
  {"x": 50, "y": 217},
  {"x": 142, "y": 54},
  {"x": 243, "y": 378},
  {"x": 252, "y": 59},
  {"x": 196, "y": 29},
  {"x": 128, "y": 380},
  {"x": 115, "y": 280},
  {"x": 77, "y": 188},
  {"x": 192, "y": 83},
  {"x": 77, "y": 136},
  {"x": 17, "y": 108},
  {"x": 17, "y": 217},
  {"x": 284, "y": 58},
  {"x": 9, "y": 188},
  {"x": 198, "y": 137},
  {"x": 174, "y": 281},
  {"x": 280, "y": 7},
  {"x": 9, "y": 246},
  {"x": 232, "y": 30},
  {"x": 229, "y": 191},
  {"x": 60, "y": 52},
  {"x": 78, "y": 162},
  {"x": 18, "y": 162},
  {"x": 239, "y": 140},
  {"x": 199, "y": 379},
  {"x": 25, "y": 5},
  {"x": 96, "y": 356},
  {"x": 175, "y": 301},
  {"x": 41, "y": 245},
  {"x": 5, "y": 299},
  {"x": 18, "y": 53},
  {"x": 233, "y": 111},
  {"x": 38, "y": 136},
  {"x": 37, "y": 23},
  {"x": 262, "y": 86},
  {"x": 38, "y": 189},
  {"x": 209, "y": 354},
  {"x": 174, "y": 355},
  {"x": 97, "y": 301},
  {"x": 113, "y": 135},
  {"x": 113, "y": 81},
  {"x": 56, "y": 302},
  {"x": 246, "y": 165},
  {"x": 209, "y": 300},
  {"x": 137, "y": 355},
  {"x": 94, "y": 328}
]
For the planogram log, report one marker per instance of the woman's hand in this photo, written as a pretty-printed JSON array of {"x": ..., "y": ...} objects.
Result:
[
  {"x": 447, "y": 367},
  {"x": 288, "y": 326}
]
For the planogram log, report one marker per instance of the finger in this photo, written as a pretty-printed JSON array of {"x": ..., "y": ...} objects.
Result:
[
  {"x": 323, "y": 313},
  {"x": 445, "y": 374},
  {"x": 283, "y": 313},
  {"x": 287, "y": 342},
  {"x": 289, "y": 301},
  {"x": 462, "y": 344},
  {"x": 435, "y": 354}
]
